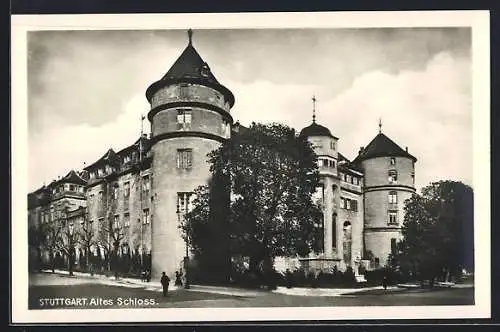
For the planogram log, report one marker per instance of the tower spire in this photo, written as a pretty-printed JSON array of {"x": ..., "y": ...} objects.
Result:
[
  {"x": 314, "y": 108},
  {"x": 190, "y": 36},
  {"x": 379, "y": 125}
]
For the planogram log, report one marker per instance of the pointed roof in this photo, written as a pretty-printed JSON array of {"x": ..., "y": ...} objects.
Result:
[
  {"x": 135, "y": 146},
  {"x": 72, "y": 177},
  {"x": 190, "y": 65},
  {"x": 109, "y": 157},
  {"x": 190, "y": 68},
  {"x": 382, "y": 146}
]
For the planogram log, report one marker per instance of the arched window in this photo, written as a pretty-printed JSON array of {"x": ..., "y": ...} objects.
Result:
[{"x": 347, "y": 241}]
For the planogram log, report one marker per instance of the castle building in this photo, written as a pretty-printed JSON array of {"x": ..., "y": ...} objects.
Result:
[{"x": 134, "y": 200}]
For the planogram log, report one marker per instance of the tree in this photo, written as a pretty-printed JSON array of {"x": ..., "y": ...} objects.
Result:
[
  {"x": 52, "y": 232},
  {"x": 67, "y": 245},
  {"x": 36, "y": 240},
  {"x": 270, "y": 174},
  {"x": 437, "y": 232},
  {"x": 87, "y": 240},
  {"x": 111, "y": 235}
]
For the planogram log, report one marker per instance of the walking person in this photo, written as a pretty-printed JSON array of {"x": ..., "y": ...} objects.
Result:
[
  {"x": 165, "y": 280},
  {"x": 178, "y": 278},
  {"x": 384, "y": 282}
]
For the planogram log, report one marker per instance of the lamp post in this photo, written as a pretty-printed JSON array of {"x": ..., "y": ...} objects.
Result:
[{"x": 71, "y": 247}]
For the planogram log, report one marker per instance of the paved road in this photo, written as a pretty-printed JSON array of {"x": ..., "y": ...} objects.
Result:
[{"x": 48, "y": 292}]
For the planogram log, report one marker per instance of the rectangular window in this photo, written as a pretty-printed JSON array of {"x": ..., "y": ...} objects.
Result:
[
  {"x": 332, "y": 145},
  {"x": 183, "y": 119},
  {"x": 392, "y": 161},
  {"x": 343, "y": 203},
  {"x": 393, "y": 176},
  {"x": 348, "y": 204},
  {"x": 116, "y": 222},
  {"x": 146, "y": 185},
  {"x": 392, "y": 218},
  {"x": 115, "y": 192},
  {"x": 184, "y": 158},
  {"x": 126, "y": 220},
  {"x": 146, "y": 217},
  {"x": 126, "y": 189},
  {"x": 184, "y": 202},
  {"x": 325, "y": 162},
  {"x": 393, "y": 197},
  {"x": 71, "y": 187},
  {"x": 393, "y": 246},
  {"x": 354, "y": 205}
]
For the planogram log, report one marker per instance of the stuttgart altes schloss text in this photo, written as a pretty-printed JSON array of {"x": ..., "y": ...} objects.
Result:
[{"x": 95, "y": 301}]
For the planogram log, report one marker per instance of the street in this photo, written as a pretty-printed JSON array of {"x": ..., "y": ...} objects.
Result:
[{"x": 52, "y": 291}]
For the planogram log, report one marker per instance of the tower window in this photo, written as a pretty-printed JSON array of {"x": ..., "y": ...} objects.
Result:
[
  {"x": 183, "y": 119},
  {"x": 184, "y": 158},
  {"x": 184, "y": 202},
  {"x": 392, "y": 161},
  {"x": 332, "y": 145},
  {"x": 393, "y": 218},
  {"x": 393, "y": 176},
  {"x": 393, "y": 197}
]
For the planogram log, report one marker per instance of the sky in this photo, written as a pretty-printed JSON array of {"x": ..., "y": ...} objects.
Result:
[{"x": 86, "y": 89}]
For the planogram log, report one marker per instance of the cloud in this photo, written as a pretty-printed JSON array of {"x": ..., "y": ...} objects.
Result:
[
  {"x": 417, "y": 80},
  {"x": 429, "y": 111},
  {"x": 68, "y": 147}
]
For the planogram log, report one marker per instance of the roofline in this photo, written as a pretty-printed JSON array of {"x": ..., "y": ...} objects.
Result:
[{"x": 360, "y": 158}]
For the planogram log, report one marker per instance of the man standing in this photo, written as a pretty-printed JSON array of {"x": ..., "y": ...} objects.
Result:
[{"x": 165, "y": 280}]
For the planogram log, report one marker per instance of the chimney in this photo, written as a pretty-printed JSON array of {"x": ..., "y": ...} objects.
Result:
[
  {"x": 361, "y": 149},
  {"x": 236, "y": 126},
  {"x": 406, "y": 148}
]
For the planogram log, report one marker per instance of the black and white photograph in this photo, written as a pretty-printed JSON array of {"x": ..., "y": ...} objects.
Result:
[{"x": 279, "y": 166}]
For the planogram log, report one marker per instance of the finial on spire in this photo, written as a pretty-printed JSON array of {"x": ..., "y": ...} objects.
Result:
[
  {"x": 190, "y": 36},
  {"x": 380, "y": 125},
  {"x": 314, "y": 109}
]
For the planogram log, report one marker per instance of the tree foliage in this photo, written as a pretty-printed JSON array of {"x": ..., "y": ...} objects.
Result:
[
  {"x": 437, "y": 232},
  {"x": 258, "y": 203}
]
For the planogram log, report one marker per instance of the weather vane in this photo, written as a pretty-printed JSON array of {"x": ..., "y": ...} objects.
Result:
[
  {"x": 314, "y": 109},
  {"x": 380, "y": 125}
]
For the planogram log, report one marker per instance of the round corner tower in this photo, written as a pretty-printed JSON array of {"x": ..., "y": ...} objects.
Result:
[
  {"x": 389, "y": 181},
  {"x": 189, "y": 118},
  {"x": 325, "y": 146}
]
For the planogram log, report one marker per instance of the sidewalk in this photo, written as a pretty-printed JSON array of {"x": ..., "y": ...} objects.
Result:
[{"x": 301, "y": 291}]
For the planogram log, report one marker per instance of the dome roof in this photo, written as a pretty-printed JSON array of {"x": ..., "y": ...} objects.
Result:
[{"x": 316, "y": 130}]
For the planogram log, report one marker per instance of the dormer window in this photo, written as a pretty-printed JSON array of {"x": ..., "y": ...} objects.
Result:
[
  {"x": 126, "y": 159},
  {"x": 204, "y": 70},
  {"x": 72, "y": 187}
]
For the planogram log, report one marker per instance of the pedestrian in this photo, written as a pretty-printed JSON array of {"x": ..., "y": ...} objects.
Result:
[
  {"x": 148, "y": 275},
  {"x": 289, "y": 278},
  {"x": 384, "y": 282},
  {"x": 178, "y": 278},
  {"x": 165, "y": 280}
]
